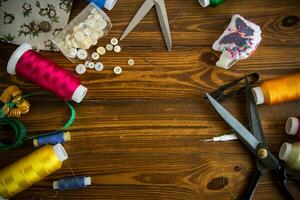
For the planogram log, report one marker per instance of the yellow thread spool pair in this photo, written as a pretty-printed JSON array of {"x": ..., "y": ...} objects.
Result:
[
  {"x": 31, "y": 169},
  {"x": 290, "y": 153},
  {"x": 279, "y": 90}
]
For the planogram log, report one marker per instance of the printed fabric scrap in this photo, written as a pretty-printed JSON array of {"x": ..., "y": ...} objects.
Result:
[
  {"x": 20, "y": 21},
  {"x": 239, "y": 41}
]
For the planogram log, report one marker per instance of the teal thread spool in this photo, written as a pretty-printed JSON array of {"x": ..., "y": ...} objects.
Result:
[
  {"x": 290, "y": 153},
  {"x": 212, "y": 3}
]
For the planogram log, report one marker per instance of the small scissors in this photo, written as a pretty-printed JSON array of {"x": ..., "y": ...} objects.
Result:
[
  {"x": 162, "y": 17},
  {"x": 255, "y": 142}
]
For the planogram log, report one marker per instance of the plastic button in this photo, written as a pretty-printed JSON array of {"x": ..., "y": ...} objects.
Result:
[
  {"x": 117, "y": 49},
  {"x": 91, "y": 65},
  {"x": 82, "y": 54},
  {"x": 79, "y": 36},
  {"x": 86, "y": 63},
  {"x": 95, "y": 56},
  {"x": 99, "y": 66},
  {"x": 101, "y": 50},
  {"x": 109, "y": 47},
  {"x": 72, "y": 52},
  {"x": 118, "y": 70},
  {"x": 114, "y": 41},
  {"x": 80, "y": 69},
  {"x": 130, "y": 62}
]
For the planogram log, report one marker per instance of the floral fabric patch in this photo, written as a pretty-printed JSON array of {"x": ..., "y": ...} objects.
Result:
[{"x": 20, "y": 21}]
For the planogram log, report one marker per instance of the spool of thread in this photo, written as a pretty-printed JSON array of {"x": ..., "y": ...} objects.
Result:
[
  {"x": 27, "y": 63},
  {"x": 72, "y": 183},
  {"x": 212, "y": 3},
  {"x": 290, "y": 153},
  {"x": 55, "y": 138},
  {"x": 292, "y": 126},
  {"x": 278, "y": 90},
  {"x": 31, "y": 169},
  {"x": 108, "y": 4}
]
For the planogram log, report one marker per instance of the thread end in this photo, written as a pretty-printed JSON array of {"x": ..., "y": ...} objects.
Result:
[
  {"x": 285, "y": 151},
  {"x": 258, "y": 95},
  {"x": 60, "y": 152},
  {"x": 15, "y": 57},
  {"x": 292, "y": 126}
]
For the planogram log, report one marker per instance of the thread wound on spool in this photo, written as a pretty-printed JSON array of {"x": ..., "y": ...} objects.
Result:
[
  {"x": 72, "y": 183},
  {"x": 30, "y": 169},
  {"x": 45, "y": 73},
  {"x": 55, "y": 138}
]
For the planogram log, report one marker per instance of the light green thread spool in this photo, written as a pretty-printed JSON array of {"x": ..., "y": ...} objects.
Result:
[{"x": 290, "y": 153}]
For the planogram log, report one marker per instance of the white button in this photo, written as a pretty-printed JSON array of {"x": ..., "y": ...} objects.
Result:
[
  {"x": 91, "y": 65},
  {"x": 68, "y": 37},
  {"x": 86, "y": 63},
  {"x": 80, "y": 69},
  {"x": 72, "y": 52},
  {"x": 109, "y": 47},
  {"x": 94, "y": 11},
  {"x": 81, "y": 25},
  {"x": 101, "y": 24},
  {"x": 68, "y": 43},
  {"x": 98, "y": 17},
  {"x": 94, "y": 42},
  {"x": 101, "y": 50},
  {"x": 90, "y": 16},
  {"x": 118, "y": 70},
  {"x": 130, "y": 62},
  {"x": 87, "y": 31},
  {"x": 79, "y": 36},
  {"x": 90, "y": 22},
  {"x": 99, "y": 66},
  {"x": 74, "y": 43},
  {"x": 95, "y": 56},
  {"x": 95, "y": 36},
  {"x": 117, "y": 49},
  {"x": 82, "y": 54},
  {"x": 114, "y": 41}
]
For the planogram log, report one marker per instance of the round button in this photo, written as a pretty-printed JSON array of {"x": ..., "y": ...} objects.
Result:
[
  {"x": 101, "y": 24},
  {"x": 72, "y": 52},
  {"x": 130, "y": 62},
  {"x": 95, "y": 36},
  {"x": 117, "y": 49},
  {"x": 101, "y": 50},
  {"x": 98, "y": 17},
  {"x": 95, "y": 56},
  {"x": 99, "y": 66},
  {"x": 79, "y": 36},
  {"x": 80, "y": 69},
  {"x": 82, "y": 54},
  {"x": 91, "y": 65},
  {"x": 87, "y": 31},
  {"x": 114, "y": 41},
  {"x": 86, "y": 63},
  {"x": 109, "y": 47},
  {"x": 118, "y": 70},
  {"x": 45, "y": 26}
]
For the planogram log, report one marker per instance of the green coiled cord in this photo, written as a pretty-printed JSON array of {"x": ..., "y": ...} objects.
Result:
[{"x": 20, "y": 133}]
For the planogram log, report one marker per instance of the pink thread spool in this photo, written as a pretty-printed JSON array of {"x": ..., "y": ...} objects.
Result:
[
  {"x": 27, "y": 63},
  {"x": 292, "y": 126}
]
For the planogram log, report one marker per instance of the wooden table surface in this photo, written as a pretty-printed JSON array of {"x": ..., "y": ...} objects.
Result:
[{"x": 137, "y": 135}]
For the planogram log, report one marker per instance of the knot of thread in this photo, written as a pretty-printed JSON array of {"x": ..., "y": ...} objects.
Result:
[{"x": 47, "y": 74}]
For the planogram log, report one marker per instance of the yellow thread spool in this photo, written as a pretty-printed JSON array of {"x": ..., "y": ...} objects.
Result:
[
  {"x": 31, "y": 169},
  {"x": 290, "y": 153},
  {"x": 279, "y": 90}
]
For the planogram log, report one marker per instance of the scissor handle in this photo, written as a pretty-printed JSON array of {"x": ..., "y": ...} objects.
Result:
[{"x": 251, "y": 189}]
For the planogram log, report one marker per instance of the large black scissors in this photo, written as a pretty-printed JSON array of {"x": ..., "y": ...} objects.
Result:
[{"x": 254, "y": 140}]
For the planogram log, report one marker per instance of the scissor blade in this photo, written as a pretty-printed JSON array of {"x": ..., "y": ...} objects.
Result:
[
  {"x": 246, "y": 137},
  {"x": 164, "y": 22},
  {"x": 144, "y": 9}
]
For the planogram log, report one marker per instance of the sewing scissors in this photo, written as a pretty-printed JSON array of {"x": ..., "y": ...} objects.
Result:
[
  {"x": 162, "y": 17},
  {"x": 255, "y": 142}
]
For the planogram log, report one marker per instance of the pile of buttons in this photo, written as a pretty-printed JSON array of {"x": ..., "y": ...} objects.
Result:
[
  {"x": 95, "y": 56},
  {"x": 84, "y": 35}
]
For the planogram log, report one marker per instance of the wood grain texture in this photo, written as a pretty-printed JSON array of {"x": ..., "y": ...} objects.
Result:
[{"x": 137, "y": 135}]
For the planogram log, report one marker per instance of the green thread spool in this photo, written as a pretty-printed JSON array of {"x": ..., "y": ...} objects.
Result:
[
  {"x": 212, "y": 3},
  {"x": 290, "y": 153}
]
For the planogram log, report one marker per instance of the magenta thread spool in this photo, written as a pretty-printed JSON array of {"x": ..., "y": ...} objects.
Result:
[
  {"x": 30, "y": 65},
  {"x": 292, "y": 126}
]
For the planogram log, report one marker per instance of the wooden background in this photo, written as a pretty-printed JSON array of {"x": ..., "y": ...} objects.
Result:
[{"x": 137, "y": 135}]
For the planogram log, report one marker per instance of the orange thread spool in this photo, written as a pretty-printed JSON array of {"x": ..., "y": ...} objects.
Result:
[{"x": 278, "y": 90}]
